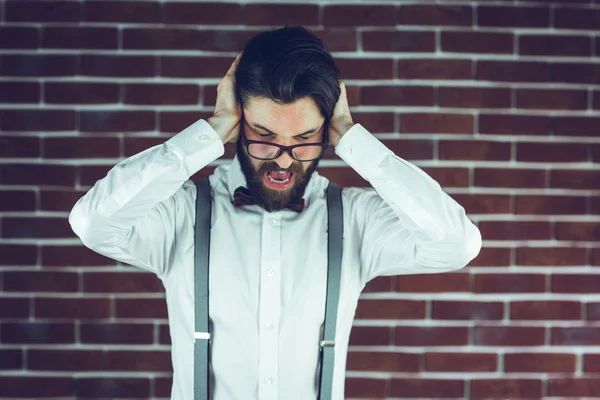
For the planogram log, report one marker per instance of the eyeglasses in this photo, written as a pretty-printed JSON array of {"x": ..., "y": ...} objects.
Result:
[{"x": 299, "y": 152}]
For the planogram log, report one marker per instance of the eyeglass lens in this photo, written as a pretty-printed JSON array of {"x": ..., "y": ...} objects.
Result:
[{"x": 266, "y": 151}]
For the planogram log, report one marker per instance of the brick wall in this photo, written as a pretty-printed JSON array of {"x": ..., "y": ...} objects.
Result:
[{"x": 497, "y": 100}]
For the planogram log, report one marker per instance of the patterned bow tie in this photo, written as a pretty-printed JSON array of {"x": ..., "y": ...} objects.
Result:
[{"x": 242, "y": 197}]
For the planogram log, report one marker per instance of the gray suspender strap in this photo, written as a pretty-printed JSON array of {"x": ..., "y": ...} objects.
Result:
[
  {"x": 201, "y": 264},
  {"x": 335, "y": 234}
]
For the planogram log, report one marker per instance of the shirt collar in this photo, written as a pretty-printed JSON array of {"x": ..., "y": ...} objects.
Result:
[{"x": 236, "y": 178}]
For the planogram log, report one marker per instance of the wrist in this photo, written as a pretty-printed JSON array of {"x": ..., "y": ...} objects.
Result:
[{"x": 223, "y": 127}]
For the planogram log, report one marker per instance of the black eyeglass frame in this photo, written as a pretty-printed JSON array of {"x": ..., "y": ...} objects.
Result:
[{"x": 324, "y": 145}]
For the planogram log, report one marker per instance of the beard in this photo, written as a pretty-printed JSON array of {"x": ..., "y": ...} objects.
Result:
[{"x": 270, "y": 199}]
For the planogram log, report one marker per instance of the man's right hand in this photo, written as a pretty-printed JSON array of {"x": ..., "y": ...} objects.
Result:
[{"x": 228, "y": 112}]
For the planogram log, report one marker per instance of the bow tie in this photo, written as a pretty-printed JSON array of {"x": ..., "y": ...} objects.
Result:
[{"x": 242, "y": 197}]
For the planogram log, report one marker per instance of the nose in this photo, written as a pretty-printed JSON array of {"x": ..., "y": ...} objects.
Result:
[{"x": 284, "y": 160}]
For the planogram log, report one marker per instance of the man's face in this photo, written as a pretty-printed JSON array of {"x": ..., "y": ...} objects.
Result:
[{"x": 267, "y": 121}]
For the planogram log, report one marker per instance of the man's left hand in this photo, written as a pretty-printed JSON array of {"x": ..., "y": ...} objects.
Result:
[{"x": 341, "y": 121}]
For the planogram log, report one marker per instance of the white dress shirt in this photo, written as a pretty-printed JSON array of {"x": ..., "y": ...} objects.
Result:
[{"x": 268, "y": 270}]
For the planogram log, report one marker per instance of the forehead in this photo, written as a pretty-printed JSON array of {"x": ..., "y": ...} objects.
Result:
[{"x": 284, "y": 119}]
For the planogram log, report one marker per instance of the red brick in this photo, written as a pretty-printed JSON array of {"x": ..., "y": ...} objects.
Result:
[
  {"x": 564, "y": 283},
  {"x": 390, "y": 309},
  {"x": 575, "y": 179},
  {"x": 383, "y": 361},
  {"x": 426, "y": 387},
  {"x": 139, "y": 361},
  {"x": 359, "y": 15},
  {"x": 163, "y": 38},
  {"x": 474, "y": 150},
  {"x": 339, "y": 39},
  {"x": 72, "y": 307},
  {"x": 81, "y": 93},
  {"x": 120, "y": 282},
  {"x": 575, "y": 336},
  {"x": 577, "y": 126},
  {"x": 42, "y": 11},
  {"x": 281, "y": 14},
  {"x": 483, "y": 203},
  {"x": 552, "y": 256},
  {"x": 510, "y": 178},
  {"x": 175, "y": 122},
  {"x": 518, "y": 16},
  {"x": 506, "y": 388},
  {"x": 509, "y": 336},
  {"x": 466, "y": 310},
  {"x": 506, "y": 124},
  {"x": 552, "y": 152},
  {"x": 343, "y": 176},
  {"x": 194, "y": 67},
  {"x": 14, "y": 307},
  {"x": 223, "y": 40},
  {"x": 449, "y": 282},
  {"x": 380, "y": 284},
  {"x": 116, "y": 333},
  {"x": 461, "y": 362},
  {"x": 160, "y": 94},
  {"x": 202, "y": 13},
  {"x": 434, "y": 14},
  {"x": 118, "y": 65},
  {"x": 369, "y": 336},
  {"x": 515, "y": 230},
  {"x": 467, "y": 97},
  {"x": 36, "y": 227},
  {"x": 365, "y": 387},
  {"x": 79, "y": 38},
  {"x": 37, "y": 120},
  {"x": 19, "y": 92},
  {"x": 596, "y": 256},
  {"x": 383, "y": 122},
  {"x": 513, "y": 283},
  {"x": 38, "y": 64},
  {"x": 576, "y": 18},
  {"x": 492, "y": 257},
  {"x": 431, "y": 336},
  {"x": 11, "y": 359},
  {"x": 397, "y": 95},
  {"x": 540, "y": 362},
  {"x": 19, "y": 147},
  {"x": 554, "y": 99},
  {"x": 13, "y": 200},
  {"x": 16, "y": 37},
  {"x": 436, "y": 123},
  {"x": 162, "y": 387},
  {"x": 80, "y": 147},
  {"x": 555, "y": 45},
  {"x": 116, "y": 121},
  {"x": 89, "y": 175},
  {"x": 591, "y": 363},
  {"x": 582, "y": 231},
  {"x": 37, "y": 333},
  {"x": 36, "y": 386},
  {"x": 398, "y": 41},
  {"x": 572, "y": 72},
  {"x": 512, "y": 71},
  {"x": 40, "y": 281},
  {"x": 164, "y": 335},
  {"x": 122, "y": 11},
  {"x": 65, "y": 360},
  {"x": 550, "y": 205},
  {"x": 449, "y": 177},
  {"x": 113, "y": 387},
  {"x": 59, "y": 200},
  {"x": 141, "y": 308},
  {"x": 477, "y": 42},
  {"x": 435, "y": 69},
  {"x": 37, "y": 174},
  {"x": 574, "y": 387},
  {"x": 545, "y": 310},
  {"x": 366, "y": 68}
]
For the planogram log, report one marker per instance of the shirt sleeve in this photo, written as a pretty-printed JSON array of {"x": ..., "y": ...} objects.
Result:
[
  {"x": 407, "y": 224},
  {"x": 132, "y": 214}
]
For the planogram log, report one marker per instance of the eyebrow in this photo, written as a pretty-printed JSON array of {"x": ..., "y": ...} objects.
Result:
[{"x": 259, "y": 126}]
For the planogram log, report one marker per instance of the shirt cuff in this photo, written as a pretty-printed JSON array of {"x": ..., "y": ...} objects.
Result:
[
  {"x": 197, "y": 146},
  {"x": 361, "y": 150}
]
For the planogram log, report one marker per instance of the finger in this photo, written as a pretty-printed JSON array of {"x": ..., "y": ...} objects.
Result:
[{"x": 234, "y": 65}]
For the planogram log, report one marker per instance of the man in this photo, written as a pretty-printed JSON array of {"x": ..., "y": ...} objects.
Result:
[{"x": 268, "y": 261}]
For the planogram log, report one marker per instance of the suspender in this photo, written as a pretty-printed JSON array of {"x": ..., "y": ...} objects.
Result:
[{"x": 201, "y": 265}]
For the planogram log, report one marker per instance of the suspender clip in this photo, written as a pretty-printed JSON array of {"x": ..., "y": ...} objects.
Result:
[
  {"x": 327, "y": 343},
  {"x": 201, "y": 335}
]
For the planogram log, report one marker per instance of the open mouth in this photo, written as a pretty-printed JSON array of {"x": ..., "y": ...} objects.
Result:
[{"x": 279, "y": 180}]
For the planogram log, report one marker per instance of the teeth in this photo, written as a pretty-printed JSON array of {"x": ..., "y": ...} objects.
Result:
[{"x": 277, "y": 181}]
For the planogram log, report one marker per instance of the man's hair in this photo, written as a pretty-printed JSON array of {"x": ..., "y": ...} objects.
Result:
[{"x": 288, "y": 64}]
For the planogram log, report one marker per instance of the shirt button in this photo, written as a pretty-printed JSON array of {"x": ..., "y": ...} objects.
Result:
[
  {"x": 204, "y": 137},
  {"x": 268, "y": 379},
  {"x": 349, "y": 150},
  {"x": 270, "y": 272},
  {"x": 269, "y": 326},
  {"x": 273, "y": 222}
]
